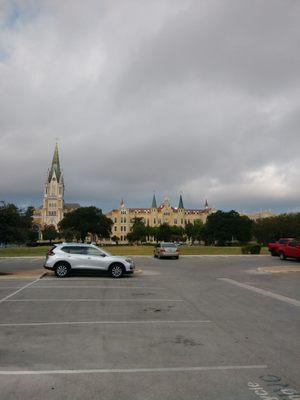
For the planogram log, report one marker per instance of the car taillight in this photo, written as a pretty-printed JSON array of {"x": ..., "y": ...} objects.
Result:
[
  {"x": 162, "y": 250},
  {"x": 177, "y": 250}
]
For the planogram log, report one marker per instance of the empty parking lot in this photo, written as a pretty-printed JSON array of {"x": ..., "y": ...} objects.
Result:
[{"x": 196, "y": 328}]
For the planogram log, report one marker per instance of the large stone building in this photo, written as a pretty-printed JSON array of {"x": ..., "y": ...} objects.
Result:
[
  {"x": 53, "y": 209},
  {"x": 155, "y": 215}
]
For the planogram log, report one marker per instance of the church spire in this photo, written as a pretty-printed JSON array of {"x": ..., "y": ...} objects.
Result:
[
  {"x": 154, "y": 204},
  {"x": 180, "y": 205},
  {"x": 55, "y": 166}
]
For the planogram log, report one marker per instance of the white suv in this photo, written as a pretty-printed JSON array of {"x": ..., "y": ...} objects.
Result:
[{"x": 66, "y": 257}]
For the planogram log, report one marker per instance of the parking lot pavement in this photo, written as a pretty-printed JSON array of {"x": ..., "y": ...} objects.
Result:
[{"x": 179, "y": 330}]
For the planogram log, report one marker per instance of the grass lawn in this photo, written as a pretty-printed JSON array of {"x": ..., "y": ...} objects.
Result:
[{"x": 129, "y": 250}]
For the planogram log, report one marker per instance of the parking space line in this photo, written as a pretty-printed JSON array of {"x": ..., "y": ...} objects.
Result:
[
  {"x": 95, "y": 287},
  {"x": 134, "y": 370},
  {"x": 263, "y": 292},
  {"x": 114, "y": 300},
  {"x": 19, "y": 290},
  {"x": 108, "y": 322}
]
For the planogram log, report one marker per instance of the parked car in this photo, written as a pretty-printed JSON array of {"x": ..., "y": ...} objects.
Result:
[
  {"x": 274, "y": 248},
  {"x": 290, "y": 250},
  {"x": 166, "y": 250},
  {"x": 67, "y": 257}
]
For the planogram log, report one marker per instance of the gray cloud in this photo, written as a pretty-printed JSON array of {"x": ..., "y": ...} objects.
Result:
[{"x": 199, "y": 96}]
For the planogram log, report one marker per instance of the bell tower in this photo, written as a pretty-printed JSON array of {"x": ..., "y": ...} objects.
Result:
[{"x": 53, "y": 203}]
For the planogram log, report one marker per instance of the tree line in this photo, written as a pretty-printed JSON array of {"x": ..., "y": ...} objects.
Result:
[{"x": 221, "y": 228}]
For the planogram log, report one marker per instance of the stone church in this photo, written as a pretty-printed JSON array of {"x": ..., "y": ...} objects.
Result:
[{"x": 54, "y": 207}]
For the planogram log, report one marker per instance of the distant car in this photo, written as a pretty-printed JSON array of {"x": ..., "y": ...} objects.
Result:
[
  {"x": 290, "y": 250},
  {"x": 67, "y": 257},
  {"x": 166, "y": 250},
  {"x": 274, "y": 248}
]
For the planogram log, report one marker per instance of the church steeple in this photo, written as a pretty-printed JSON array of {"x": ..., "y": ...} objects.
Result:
[
  {"x": 55, "y": 166},
  {"x": 180, "y": 205},
  {"x": 154, "y": 204}
]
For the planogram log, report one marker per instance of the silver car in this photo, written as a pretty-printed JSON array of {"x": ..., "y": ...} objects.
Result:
[
  {"x": 166, "y": 250},
  {"x": 66, "y": 257}
]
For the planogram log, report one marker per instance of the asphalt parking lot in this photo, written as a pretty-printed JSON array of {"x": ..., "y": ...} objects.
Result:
[{"x": 196, "y": 328}]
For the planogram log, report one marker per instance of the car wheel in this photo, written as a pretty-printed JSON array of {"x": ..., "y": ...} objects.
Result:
[
  {"x": 62, "y": 270},
  {"x": 273, "y": 253},
  {"x": 116, "y": 270},
  {"x": 177, "y": 257},
  {"x": 154, "y": 255},
  {"x": 282, "y": 256}
]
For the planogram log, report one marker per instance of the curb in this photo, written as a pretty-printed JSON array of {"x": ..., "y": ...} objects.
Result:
[
  {"x": 22, "y": 276},
  {"x": 278, "y": 270}
]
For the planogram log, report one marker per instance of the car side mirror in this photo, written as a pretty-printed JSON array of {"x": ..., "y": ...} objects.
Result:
[{"x": 103, "y": 255}]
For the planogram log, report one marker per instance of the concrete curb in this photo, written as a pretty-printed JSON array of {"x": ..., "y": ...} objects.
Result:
[
  {"x": 23, "y": 275},
  {"x": 279, "y": 270}
]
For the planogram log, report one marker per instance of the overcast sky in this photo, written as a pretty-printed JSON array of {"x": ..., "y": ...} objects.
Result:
[{"x": 198, "y": 96}]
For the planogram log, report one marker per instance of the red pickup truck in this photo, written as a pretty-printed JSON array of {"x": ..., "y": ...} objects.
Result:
[
  {"x": 291, "y": 250},
  {"x": 274, "y": 248}
]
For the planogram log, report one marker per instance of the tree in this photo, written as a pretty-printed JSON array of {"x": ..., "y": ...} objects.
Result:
[
  {"x": 164, "y": 233},
  {"x": 138, "y": 231},
  {"x": 87, "y": 220},
  {"x": 15, "y": 223},
  {"x": 225, "y": 227},
  {"x": 194, "y": 231},
  {"x": 49, "y": 233},
  {"x": 115, "y": 239},
  {"x": 270, "y": 229},
  {"x": 177, "y": 234}
]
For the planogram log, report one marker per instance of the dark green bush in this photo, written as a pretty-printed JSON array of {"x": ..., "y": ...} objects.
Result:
[{"x": 251, "y": 249}]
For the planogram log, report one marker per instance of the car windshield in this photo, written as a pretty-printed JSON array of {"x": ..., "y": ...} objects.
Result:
[{"x": 168, "y": 245}]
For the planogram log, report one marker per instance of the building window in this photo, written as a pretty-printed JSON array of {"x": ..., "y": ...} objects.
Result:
[
  {"x": 124, "y": 228},
  {"x": 121, "y": 228},
  {"x": 175, "y": 221},
  {"x": 154, "y": 220},
  {"x": 115, "y": 229},
  {"x": 124, "y": 219},
  {"x": 181, "y": 221}
]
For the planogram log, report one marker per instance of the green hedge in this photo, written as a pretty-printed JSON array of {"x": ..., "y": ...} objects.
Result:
[{"x": 251, "y": 249}]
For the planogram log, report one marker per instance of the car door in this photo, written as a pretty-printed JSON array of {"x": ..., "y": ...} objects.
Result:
[
  {"x": 96, "y": 259},
  {"x": 291, "y": 249},
  {"x": 78, "y": 257}
]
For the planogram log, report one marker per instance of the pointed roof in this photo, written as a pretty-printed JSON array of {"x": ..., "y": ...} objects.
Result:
[
  {"x": 180, "y": 205},
  {"x": 55, "y": 166},
  {"x": 206, "y": 204},
  {"x": 154, "y": 204}
]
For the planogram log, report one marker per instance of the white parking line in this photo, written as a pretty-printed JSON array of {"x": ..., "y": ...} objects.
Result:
[
  {"x": 114, "y": 300},
  {"x": 134, "y": 370},
  {"x": 19, "y": 290},
  {"x": 95, "y": 287},
  {"x": 108, "y": 323},
  {"x": 263, "y": 292}
]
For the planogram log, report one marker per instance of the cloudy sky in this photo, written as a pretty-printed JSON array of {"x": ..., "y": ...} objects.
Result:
[{"x": 198, "y": 96}]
